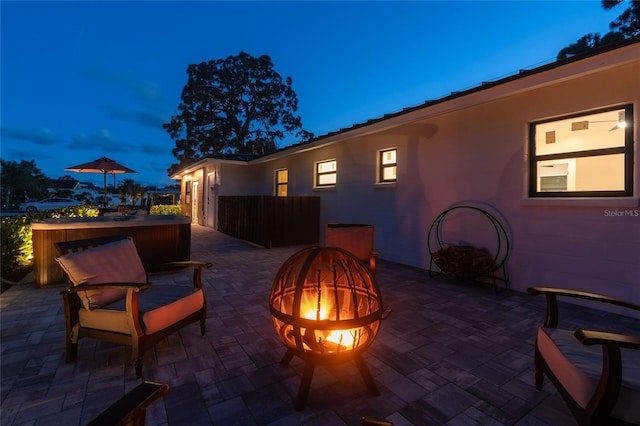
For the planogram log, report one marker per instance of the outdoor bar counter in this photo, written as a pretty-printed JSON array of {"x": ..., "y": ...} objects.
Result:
[{"x": 159, "y": 239}]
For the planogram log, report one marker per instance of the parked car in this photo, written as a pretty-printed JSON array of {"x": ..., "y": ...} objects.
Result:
[{"x": 48, "y": 204}]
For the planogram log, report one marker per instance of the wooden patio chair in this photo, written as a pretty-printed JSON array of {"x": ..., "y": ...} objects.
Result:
[
  {"x": 131, "y": 409},
  {"x": 112, "y": 298},
  {"x": 357, "y": 239},
  {"x": 597, "y": 373}
]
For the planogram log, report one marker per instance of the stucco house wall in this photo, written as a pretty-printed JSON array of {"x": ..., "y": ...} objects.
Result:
[
  {"x": 237, "y": 179},
  {"x": 475, "y": 148}
]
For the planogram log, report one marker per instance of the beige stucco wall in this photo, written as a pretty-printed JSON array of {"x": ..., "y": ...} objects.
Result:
[
  {"x": 237, "y": 179},
  {"x": 477, "y": 150}
]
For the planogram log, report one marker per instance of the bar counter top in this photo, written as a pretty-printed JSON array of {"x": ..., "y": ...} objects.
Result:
[{"x": 109, "y": 221}]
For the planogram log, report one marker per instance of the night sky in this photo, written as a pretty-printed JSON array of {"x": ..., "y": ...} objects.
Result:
[{"x": 81, "y": 80}]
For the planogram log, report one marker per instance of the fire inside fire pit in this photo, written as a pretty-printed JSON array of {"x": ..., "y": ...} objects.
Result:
[{"x": 326, "y": 308}]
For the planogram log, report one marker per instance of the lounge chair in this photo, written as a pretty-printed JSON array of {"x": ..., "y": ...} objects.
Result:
[{"x": 111, "y": 297}]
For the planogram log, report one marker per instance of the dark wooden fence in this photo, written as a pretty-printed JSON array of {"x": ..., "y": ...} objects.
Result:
[{"x": 270, "y": 221}]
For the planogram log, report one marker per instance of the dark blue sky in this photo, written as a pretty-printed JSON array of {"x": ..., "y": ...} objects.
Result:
[{"x": 81, "y": 80}]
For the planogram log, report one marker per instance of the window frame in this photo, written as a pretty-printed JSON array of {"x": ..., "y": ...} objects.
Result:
[
  {"x": 318, "y": 174},
  {"x": 279, "y": 184},
  {"x": 626, "y": 150},
  {"x": 382, "y": 166}
]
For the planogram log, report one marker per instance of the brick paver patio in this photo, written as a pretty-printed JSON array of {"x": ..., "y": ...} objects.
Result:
[{"x": 450, "y": 353}]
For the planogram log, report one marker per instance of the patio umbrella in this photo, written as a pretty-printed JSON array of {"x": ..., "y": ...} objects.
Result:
[{"x": 102, "y": 165}]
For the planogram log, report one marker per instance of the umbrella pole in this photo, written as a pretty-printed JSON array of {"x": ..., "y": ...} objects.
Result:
[{"x": 104, "y": 198}]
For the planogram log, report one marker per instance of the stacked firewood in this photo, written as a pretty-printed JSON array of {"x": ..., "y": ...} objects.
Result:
[{"x": 463, "y": 261}]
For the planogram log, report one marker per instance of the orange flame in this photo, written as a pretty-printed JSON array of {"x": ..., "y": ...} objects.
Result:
[{"x": 311, "y": 309}]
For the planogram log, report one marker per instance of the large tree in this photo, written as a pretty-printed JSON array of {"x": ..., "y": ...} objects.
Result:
[
  {"x": 626, "y": 25},
  {"x": 235, "y": 105}
]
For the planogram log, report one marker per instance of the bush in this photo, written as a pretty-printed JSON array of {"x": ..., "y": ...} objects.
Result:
[
  {"x": 16, "y": 243},
  {"x": 164, "y": 210},
  {"x": 75, "y": 211},
  {"x": 17, "y": 248}
]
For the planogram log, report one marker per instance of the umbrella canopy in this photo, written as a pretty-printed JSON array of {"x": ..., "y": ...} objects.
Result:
[{"x": 102, "y": 165}]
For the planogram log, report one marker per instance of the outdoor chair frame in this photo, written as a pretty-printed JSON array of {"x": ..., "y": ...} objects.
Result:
[
  {"x": 598, "y": 410},
  {"x": 139, "y": 341}
]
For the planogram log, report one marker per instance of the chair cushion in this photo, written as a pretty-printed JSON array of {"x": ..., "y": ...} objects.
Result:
[
  {"x": 159, "y": 306},
  {"x": 578, "y": 368},
  {"x": 116, "y": 262}
]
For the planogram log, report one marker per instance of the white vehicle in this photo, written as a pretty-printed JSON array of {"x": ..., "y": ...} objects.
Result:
[{"x": 48, "y": 204}]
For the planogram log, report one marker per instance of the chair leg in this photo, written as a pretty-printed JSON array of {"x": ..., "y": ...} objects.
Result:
[
  {"x": 72, "y": 304},
  {"x": 71, "y": 351},
  {"x": 138, "y": 363},
  {"x": 137, "y": 352},
  {"x": 203, "y": 326},
  {"x": 539, "y": 376}
]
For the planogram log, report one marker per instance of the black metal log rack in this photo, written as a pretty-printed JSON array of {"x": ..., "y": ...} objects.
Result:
[{"x": 491, "y": 270}]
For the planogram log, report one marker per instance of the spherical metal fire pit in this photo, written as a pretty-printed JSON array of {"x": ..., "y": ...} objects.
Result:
[{"x": 327, "y": 309}]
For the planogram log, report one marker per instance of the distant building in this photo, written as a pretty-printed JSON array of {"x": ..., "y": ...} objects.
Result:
[
  {"x": 74, "y": 188},
  {"x": 54, "y": 185},
  {"x": 163, "y": 196}
]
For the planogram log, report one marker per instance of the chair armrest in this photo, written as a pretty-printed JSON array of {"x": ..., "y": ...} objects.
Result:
[
  {"x": 592, "y": 337},
  {"x": 167, "y": 268},
  {"x": 184, "y": 264},
  {"x": 176, "y": 267},
  {"x": 552, "y": 294},
  {"x": 535, "y": 291},
  {"x": 125, "y": 286},
  {"x": 131, "y": 408},
  {"x": 608, "y": 389}
]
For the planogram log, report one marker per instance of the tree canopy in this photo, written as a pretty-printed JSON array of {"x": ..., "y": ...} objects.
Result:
[
  {"x": 130, "y": 190},
  {"x": 235, "y": 105},
  {"x": 626, "y": 25},
  {"x": 21, "y": 181}
]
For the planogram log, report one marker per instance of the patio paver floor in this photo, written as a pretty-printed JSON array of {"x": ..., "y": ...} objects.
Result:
[{"x": 450, "y": 353}]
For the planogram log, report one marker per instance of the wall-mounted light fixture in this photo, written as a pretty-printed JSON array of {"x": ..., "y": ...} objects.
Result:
[{"x": 584, "y": 125}]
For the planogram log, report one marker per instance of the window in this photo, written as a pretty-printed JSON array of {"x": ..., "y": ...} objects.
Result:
[
  {"x": 586, "y": 155},
  {"x": 387, "y": 165},
  {"x": 326, "y": 173},
  {"x": 282, "y": 182},
  {"x": 187, "y": 191}
]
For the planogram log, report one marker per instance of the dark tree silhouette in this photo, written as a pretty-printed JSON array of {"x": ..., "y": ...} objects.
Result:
[
  {"x": 235, "y": 105},
  {"x": 21, "y": 181},
  {"x": 628, "y": 23},
  {"x": 624, "y": 26}
]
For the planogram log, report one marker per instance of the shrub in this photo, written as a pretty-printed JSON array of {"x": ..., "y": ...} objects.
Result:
[
  {"x": 16, "y": 243},
  {"x": 164, "y": 210},
  {"x": 74, "y": 211},
  {"x": 17, "y": 249}
]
